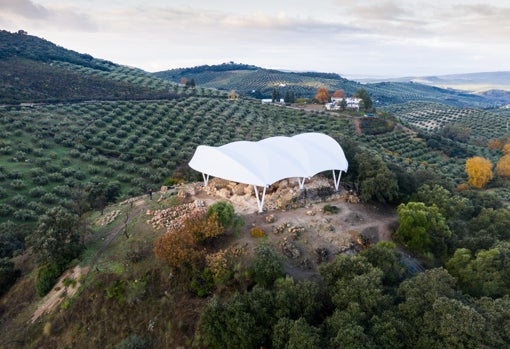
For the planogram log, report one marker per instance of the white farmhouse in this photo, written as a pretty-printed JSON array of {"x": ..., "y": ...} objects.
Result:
[{"x": 351, "y": 103}]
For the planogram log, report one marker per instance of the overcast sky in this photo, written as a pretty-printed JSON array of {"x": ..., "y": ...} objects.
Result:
[{"x": 349, "y": 37}]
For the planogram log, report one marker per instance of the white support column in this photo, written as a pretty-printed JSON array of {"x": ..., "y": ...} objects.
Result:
[
  {"x": 206, "y": 178},
  {"x": 301, "y": 182},
  {"x": 337, "y": 182},
  {"x": 260, "y": 202}
]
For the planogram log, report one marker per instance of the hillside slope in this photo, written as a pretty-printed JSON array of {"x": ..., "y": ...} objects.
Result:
[
  {"x": 35, "y": 70},
  {"x": 259, "y": 82}
]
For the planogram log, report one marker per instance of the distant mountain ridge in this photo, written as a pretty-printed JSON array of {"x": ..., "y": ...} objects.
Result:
[{"x": 477, "y": 82}]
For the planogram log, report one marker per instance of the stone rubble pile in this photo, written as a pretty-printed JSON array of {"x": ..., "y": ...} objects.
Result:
[
  {"x": 284, "y": 194},
  {"x": 290, "y": 249},
  {"x": 174, "y": 217},
  {"x": 108, "y": 218}
]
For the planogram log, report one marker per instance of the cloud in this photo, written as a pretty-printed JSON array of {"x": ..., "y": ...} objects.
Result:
[
  {"x": 38, "y": 16},
  {"x": 24, "y": 8},
  {"x": 335, "y": 34}
]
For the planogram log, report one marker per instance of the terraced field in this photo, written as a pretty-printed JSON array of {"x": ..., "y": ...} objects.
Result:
[
  {"x": 432, "y": 117},
  {"x": 47, "y": 151}
]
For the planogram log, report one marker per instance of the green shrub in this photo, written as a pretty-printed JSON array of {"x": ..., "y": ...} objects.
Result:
[
  {"x": 25, "y": 215},
  {"x": 117, "y": 291},
  {"x": 267, "y": 265},
  {"x": 170, "y": 181},
  {"x": 36, "y": 192},
  {"x": 19, "y": 200},
  {"x": 225, "y": 212},
  {"x": 6, "y": 210},
  {"x": 47, "y": 276},
  {"x": 257, "y": 232},
  {"x": 202, "y": 283},
  {"x": 330, "y": 209}
]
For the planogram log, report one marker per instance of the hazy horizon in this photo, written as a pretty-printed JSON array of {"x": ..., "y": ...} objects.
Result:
[{"x": 391, "y": 38}]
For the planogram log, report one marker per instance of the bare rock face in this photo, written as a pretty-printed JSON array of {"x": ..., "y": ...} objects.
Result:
[
  {"x": 218, "y": 183},
  {"x": 238, "y": 189},
  {"x": 224, "y": 193},
  {"x": 248, "y": 190},
  {"x": 284, "y": 184}
]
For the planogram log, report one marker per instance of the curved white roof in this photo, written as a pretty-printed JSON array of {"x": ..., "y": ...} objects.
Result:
[{"x": 272, "y": 159}]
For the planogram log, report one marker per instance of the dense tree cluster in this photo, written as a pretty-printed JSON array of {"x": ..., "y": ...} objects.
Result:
[{"x": 362, "y": 301}]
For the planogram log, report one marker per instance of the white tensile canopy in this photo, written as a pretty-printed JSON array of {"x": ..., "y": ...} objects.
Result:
[{"x": 270, "y": 160}]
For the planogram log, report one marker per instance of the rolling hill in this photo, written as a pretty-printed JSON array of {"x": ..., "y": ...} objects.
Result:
[
  {"x": 259, "y": 82},
  {"x": 34, "y": 70},
  {"x": 492, "y": 85}
]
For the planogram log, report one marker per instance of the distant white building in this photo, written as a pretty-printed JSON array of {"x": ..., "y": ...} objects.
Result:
[
  {"x": 269, "y": 100},
  {"x": 352, "y": 103}
]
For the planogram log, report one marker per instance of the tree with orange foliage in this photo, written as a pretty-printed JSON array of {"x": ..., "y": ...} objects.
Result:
[
  {"x": 322, "y": 95},
  {"x": 479, "y": 171},
  {"x": 339, "y": 94},
  {"x": 506, "y": 149},
  {"x": 184, "y": 247},
  {"x": 503, "y": 166},
  {"x": 184, "y": 81},
  {"x": 496, "y": 144}
]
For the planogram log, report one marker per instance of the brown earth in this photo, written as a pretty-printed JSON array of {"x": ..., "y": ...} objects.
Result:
[{"x": 294, "y": 222}]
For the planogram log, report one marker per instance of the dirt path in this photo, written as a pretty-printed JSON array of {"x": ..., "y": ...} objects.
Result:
[
  {"x": 357, "y": 126},
  {"x": 63, "y": 289}
]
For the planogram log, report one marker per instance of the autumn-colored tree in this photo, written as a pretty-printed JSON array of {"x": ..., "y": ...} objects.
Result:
[
  {"x": 479, "y": 171},
  {"x": 503, "y": 166},
  {"x": 339, "y": 94},
  {"x": 184, "y": 81},
  {"x": 184, "y": 247},
  {"x": 506, "y": 149},
  {"x": 496, "y": 144},
  {"x": 322, "y": 95}
]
